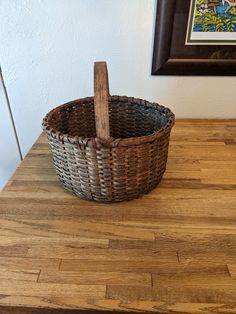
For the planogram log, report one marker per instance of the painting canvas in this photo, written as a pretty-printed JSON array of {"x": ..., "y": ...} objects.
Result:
[{"x": 212, "y": 22}]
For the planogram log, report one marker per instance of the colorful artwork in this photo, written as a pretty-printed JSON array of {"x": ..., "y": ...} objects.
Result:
[
  {"x": 212, "y": 21},
  {"x": 215, "y": 16}
]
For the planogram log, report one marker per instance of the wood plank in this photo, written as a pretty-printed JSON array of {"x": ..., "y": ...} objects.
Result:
[
  {"x": 21, "y": 263},
  {"x": 25, "y": 245},
  {"x": 181, "y": 202},
  {"x": 162, "y": 267},
  {"x": 37, "y": 162},
  {"x": 19, "y": 274},
  {"x": 100, "y": 254},
  {"x": 69, "y": 228},
  {"x": 202, "y": 290},
  {"x": 38, "y": 174},
  {"x": 220, "y": 175},
  {"x": 187, "y": 175},
  {"x": 72, "y": 242},
  {"x": 181, "y": 241},
  {"x": 194, "y": 184},
  {"x": 211, "y": 153},
  {"x": 27, "y": 288},
  {"x": 216, "y": 257},
  {"x": 95, "y": 278},
  {"x": 13, "y": 250},
  {"x": 121, "y": 266},
  {"x": 217, "y": 289}
]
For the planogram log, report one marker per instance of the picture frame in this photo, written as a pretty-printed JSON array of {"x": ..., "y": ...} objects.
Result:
[{"x": 171, "y": 55}]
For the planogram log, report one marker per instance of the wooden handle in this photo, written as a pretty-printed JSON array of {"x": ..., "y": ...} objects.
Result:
[{"x": 101, "y": 100}]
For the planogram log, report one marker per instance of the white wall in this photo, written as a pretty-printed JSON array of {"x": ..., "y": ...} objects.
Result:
[
  {"x": 47, "y": 50},
  {"x": 9, "y": 154}
]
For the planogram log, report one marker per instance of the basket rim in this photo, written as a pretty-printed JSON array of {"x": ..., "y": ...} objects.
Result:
[{"x": 111, "y": 142}]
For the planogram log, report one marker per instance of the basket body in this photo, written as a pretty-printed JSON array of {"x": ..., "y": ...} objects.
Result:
[{"x": 129, "y": 164}]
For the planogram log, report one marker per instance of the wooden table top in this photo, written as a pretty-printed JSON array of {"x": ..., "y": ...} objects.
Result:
[{"x": 170, "y": 251}]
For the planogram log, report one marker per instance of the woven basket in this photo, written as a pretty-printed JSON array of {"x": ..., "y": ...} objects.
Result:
[{"x": 109, "y": 148}]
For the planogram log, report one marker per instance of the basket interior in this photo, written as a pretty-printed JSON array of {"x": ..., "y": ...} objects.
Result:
[{"x": 126, "y": 119}]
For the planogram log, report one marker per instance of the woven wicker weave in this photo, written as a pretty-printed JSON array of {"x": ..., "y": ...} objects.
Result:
[{"x": 128, "y": 164}]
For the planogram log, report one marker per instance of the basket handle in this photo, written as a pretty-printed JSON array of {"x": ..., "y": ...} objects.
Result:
[{"x": 101, "y": 100}]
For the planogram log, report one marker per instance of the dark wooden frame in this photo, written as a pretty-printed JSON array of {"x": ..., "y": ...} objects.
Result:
[{"x": 192, "y": 60}]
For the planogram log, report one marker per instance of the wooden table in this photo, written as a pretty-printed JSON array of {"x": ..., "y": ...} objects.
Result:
[{"x": 171, "y": 251}]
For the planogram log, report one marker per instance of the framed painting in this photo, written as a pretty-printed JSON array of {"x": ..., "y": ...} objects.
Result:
[{"x": 195, "y": 37}]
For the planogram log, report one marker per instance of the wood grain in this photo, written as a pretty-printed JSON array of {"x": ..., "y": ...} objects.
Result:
[
  {"x": 101, "y": 95},
  {"x": 170, "y": 251},
  {"x": 21, "y": 263},
  {"x": 94, "y": 277},
  {"x": 19, "y": 274},
  {"x": 28, "y": 288}
]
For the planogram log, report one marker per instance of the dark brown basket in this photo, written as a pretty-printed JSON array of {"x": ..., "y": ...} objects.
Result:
[{"x": 109, "y": 164}]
